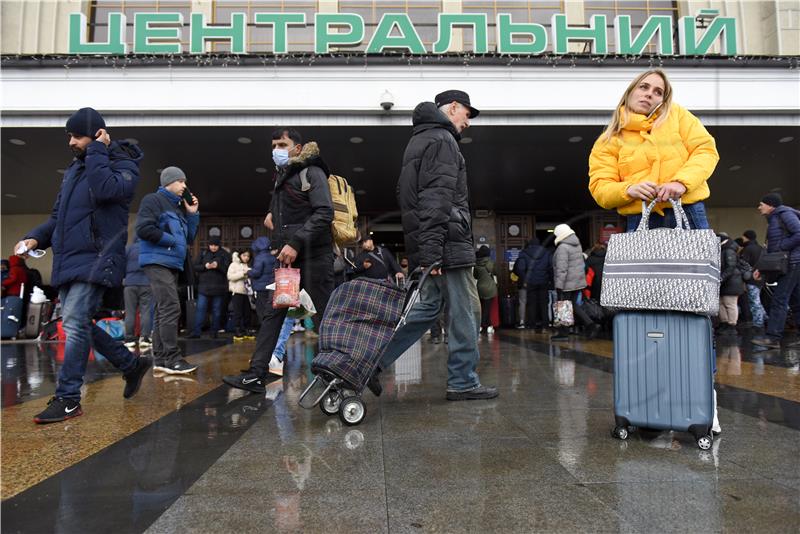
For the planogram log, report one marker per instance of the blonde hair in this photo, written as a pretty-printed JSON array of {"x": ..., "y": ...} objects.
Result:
[{"x": 621, "y": 114}]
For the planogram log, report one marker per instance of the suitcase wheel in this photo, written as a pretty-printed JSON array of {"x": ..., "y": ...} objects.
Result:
[
  {"x": 620, "y": 432},
  {"x": 330, "y": 403},
  {"x": 705, "y": 442},
  {"x": 352, "y": 411}
]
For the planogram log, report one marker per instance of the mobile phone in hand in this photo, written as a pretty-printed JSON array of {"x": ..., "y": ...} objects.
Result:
[{"x": 187, "y": 196}]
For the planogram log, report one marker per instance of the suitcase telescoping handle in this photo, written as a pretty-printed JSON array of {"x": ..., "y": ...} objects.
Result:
[{"x": 415, "y": 292}]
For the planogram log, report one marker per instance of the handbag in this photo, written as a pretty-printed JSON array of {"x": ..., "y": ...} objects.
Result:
[
  {"x": 676, "y": 269},
  {"x": 287, "y": 288},
  {"x": 562, "y": 313},
  {"x": 773, "y": 263}
]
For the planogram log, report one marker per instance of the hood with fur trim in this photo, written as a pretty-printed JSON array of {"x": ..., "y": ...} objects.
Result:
[{"x": 309, "y": 156}]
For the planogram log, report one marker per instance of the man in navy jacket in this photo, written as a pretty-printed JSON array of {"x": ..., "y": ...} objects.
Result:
[
  {"x": 167, "y": 224},
  {"x": 783, "y": 235},
  {"x": 88, "y": 229}
]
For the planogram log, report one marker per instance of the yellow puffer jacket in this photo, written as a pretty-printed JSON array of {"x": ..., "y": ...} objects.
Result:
[{"x": 679, "y": 150}]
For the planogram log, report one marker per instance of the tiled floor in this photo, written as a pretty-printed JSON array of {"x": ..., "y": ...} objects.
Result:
[{"x": 194, "y": 456}]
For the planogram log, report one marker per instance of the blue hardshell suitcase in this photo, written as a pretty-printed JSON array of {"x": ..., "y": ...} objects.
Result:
[{"x": 664, "y": 373}]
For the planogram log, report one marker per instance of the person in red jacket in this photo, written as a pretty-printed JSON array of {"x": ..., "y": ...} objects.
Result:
[{"x": 17, "y": 275}]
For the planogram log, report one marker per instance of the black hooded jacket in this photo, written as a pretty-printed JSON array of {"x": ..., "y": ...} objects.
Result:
[
  {"x": 433, "y": 194},
  {"x": 302, "y": 219}
]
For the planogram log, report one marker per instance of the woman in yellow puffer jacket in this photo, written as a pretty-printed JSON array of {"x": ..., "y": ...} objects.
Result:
[{"x": 652, "y": 149}]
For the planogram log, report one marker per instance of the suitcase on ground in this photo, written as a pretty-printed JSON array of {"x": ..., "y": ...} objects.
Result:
[
  {"x": 508, "y": 311},
  {"x": 663, "y": 373},
  {"x": 191, "y": 308},
  {"x": 12, "y": 319},
  {"x": 38, "y": 314}
]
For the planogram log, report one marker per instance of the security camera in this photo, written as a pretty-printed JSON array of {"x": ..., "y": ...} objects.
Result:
[{"x": 387, "y": 101}]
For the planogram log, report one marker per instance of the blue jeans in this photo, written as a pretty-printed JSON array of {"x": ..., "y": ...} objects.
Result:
[
  {"x": 696, "y": 213},
  {"x": 79, "y": 302},
  {"x": 202, "y": 309},
  {"x": 756, "y": 308},
  {"x": 787, "y": 293},
  {"x": 458, "y": 287},
  {"x": 283, "y": 337}
]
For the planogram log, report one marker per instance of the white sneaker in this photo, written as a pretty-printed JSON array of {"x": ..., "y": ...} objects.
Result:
[
  {"x": 130, "y": 344},
  {"x": 490, "y": 330},
  {"x": 275, "y": 366},
  {"x": 715, "y": 428}
]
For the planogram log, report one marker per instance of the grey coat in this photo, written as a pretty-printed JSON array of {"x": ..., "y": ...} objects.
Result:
[{"x": 568, "y": 265}]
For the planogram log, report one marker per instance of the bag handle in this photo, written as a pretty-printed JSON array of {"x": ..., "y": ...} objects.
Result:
[{"x": 681, "y": 219}]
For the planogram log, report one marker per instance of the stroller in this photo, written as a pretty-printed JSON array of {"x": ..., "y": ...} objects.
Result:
[{"x": 360, "y": 320}]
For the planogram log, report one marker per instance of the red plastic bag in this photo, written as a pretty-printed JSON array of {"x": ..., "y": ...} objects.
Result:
[{"x": 287, "y": 288}]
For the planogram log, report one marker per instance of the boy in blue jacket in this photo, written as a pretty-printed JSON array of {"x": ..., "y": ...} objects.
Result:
[{"x": 167, "y": 225}]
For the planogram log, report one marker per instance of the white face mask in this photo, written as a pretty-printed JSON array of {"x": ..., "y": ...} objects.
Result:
[{"x": 280, "y": 156}]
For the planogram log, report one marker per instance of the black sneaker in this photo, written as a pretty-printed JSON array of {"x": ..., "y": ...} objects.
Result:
[
  {"x": 133, "y": 379},
  {"x": 479, "y": 393},
  {"x": 180, "y": 367},
  {"x": 246, "y": 381},
  {"x": 58, "y": 409}
]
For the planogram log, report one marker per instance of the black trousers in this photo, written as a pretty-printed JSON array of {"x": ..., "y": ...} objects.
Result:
[
  {"x": 536, "y": 307},
  {"x": 316, "y": 277},
  {"x": 486, "y": 308},
  {"x": 240, "y": 305},
  {"x": 166, "y": 313}
]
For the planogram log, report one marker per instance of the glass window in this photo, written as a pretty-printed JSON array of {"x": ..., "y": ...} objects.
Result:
[
  {"x": 638, "y": 10},
  {"x": 99, "y": 10}
]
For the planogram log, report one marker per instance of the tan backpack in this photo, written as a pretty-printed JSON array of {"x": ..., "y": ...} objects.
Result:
[{"x": 345, "y": 212}]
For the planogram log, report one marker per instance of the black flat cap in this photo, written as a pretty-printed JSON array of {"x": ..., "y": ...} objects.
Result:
[{"x": 454, "y": 95}]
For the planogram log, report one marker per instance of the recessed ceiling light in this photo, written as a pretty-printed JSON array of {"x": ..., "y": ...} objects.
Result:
[
  {"x": 788, "y": 139},
  {"x": 18, "y": 142},
  {"x": 245, "y": 140},
  {"x": 576, "y": 139},
  {"x": 61, "y": 171},
  {"x": 530, "y": 191},
  {"x": 734, "y": 167},
  {"x": 261, "y": 170},
  {"x": 10, "y": 195},
  {"x": 356, "y": 140},
  {"x": 358, "y": 169},
  {"x": 132, "y": 140},
  {"x": 549, "y": 168},
  {"x": 466, "y": 140},
  {"x": 361, "y": 192}
]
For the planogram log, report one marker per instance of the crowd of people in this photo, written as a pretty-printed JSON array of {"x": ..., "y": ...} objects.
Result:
[{"x": 652, "y": 150}]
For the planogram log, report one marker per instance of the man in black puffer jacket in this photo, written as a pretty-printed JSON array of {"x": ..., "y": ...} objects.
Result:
[
  {"x": 212, "y": 286},
  {"x": 434, "y": 200},
  {"x": 300, "y": 218}
]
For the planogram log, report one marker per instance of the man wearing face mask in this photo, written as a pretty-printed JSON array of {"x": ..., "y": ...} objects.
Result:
[{"x": 300, "y": 217}]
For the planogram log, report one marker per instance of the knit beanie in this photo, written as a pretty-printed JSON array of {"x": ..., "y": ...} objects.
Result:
[
  {"x": 171, "y": 174},
  {"x": 85, "y": 121},
  {"x": 562, "y": 231},
  {"x": 772, "y": 199},
  {"x": 750, "y": 234}
]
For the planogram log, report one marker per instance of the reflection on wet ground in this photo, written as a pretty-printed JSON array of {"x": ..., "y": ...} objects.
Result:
[{"x": 194, "y": 456}]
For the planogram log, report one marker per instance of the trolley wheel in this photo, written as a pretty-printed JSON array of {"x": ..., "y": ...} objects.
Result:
[
  {"x": 352, "y": 411},
  {"x": 705, "y": 442},
  {"x": 330, "y": 403},
  {"x": 620, "y": 432}
]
